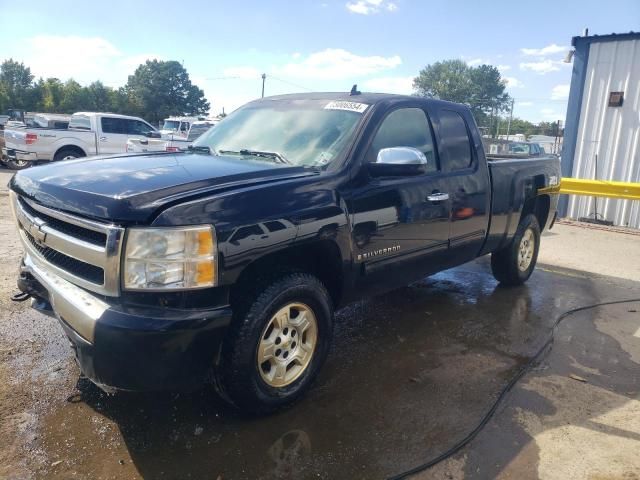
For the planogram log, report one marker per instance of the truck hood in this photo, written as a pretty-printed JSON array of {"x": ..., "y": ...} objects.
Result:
[{"x": 135, "y": 188}]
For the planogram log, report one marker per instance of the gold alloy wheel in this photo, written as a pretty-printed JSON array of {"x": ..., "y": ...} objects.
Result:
[
  {"x": 287, "y": 344},
  {"x": 526, "y": 250}
]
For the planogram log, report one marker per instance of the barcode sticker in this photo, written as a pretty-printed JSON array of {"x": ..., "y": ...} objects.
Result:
[{"x": 349, "y": 106}]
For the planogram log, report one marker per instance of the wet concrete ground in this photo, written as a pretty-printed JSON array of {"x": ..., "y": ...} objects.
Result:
[{"x": 410, "y": 373}]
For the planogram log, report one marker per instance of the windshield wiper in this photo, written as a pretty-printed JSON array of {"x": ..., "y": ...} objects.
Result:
[
  {"x": 199, "y": 148},
  {"x": 258, "y": 153}
]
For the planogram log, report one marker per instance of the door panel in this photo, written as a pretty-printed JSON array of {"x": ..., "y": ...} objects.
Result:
[
  {"x": 400, "y": 225},
  {"x": 137, "y": 129},
  {"x": 113, "y": 135},
  {"x": 397, "y": 215},
  {"x": 470, "y": 190}
]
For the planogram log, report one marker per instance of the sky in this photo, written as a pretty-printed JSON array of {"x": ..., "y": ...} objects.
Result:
[{"x": 311, "y": 45}]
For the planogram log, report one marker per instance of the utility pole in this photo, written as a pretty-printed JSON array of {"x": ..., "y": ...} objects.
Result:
[
  {"x": 510, "y": 118},
  {"x": 264, "y": 77},
  {"x": 491, "y": 121}
]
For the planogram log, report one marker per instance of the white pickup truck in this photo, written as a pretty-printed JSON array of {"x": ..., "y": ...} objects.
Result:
[
  {"x": 88, "y": 134},
  {"x": 170, "y": 142}
]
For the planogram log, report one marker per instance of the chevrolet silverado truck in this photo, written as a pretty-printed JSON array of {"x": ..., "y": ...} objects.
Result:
[
  {"x": 225, "y": 263},
  {"x": 87, "y": 134}
]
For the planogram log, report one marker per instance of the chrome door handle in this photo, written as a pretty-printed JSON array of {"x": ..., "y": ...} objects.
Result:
[
  {"x": 438, "y": 197},
  {"x": 103, "y": 139}
]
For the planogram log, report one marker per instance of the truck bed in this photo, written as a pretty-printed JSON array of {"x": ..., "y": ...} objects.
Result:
[{"x": 513, "y": 180}]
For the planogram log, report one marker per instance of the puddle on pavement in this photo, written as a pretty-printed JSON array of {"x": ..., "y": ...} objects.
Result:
[{"x": 410, "y": 373}]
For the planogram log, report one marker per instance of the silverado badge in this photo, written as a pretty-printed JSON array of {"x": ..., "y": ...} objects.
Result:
[{"x": 380, "y": 251}]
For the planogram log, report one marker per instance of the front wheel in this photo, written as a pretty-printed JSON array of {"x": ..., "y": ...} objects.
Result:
[
  {"x": 514, "y": 264},
  {"x": 276, "y": 344}
]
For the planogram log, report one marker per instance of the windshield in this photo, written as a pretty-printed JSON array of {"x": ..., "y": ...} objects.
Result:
[
  {"x": 304, "y": 132},
  {"x": 171, "y": 125}
]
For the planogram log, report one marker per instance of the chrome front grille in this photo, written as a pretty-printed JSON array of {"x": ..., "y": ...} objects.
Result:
[{"x": 84, "y": 252}]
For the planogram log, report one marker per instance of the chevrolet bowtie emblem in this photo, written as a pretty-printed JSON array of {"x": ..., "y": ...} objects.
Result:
[{"x": 33, "y": 227}]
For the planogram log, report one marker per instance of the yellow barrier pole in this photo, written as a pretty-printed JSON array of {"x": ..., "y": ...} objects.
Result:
[{"x": 595, "y": 188}]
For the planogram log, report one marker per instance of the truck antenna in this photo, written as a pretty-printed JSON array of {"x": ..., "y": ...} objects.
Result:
[{"x": 354, "y": 90}]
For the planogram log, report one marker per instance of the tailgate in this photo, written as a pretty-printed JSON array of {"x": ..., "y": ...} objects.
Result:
[{"x": 15, "y": 139}]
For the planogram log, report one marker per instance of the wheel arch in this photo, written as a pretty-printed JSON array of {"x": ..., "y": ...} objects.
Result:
[
  {"x": 321, "y": 258},
  {"x": 539, "y": 206},
  {"x": 75, "y": 148}
]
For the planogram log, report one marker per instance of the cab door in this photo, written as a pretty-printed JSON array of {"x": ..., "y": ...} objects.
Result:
[
  {"x": 470, "y": 186},
  {"x": 138, "y": 130},
  {"x": 400, "y": 225},
  {"x": 113, "y": 135}
]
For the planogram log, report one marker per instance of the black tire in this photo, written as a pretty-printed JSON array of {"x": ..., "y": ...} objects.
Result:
[
  {"x": 505, "y": 263},
  {"x": 68, "y": 154},
  {"x": 17, "y": 164},
  {"x": 238, "y": 376}
]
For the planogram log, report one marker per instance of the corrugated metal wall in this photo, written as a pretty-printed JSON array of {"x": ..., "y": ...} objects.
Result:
[{"x": 613, "y": 133}]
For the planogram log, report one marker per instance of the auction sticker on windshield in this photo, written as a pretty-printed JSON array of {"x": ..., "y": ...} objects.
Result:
[{"x": 349, "y": 106}]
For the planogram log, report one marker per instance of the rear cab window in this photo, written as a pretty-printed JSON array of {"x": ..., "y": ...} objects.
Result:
[
  {"x": 456, "y": 143},
  {"x": 82, "y": 122}
]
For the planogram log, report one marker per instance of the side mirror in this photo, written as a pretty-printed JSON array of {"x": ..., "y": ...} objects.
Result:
[
  {"x": 152, "y": 134},
  {"x": 398, "y": 162}
]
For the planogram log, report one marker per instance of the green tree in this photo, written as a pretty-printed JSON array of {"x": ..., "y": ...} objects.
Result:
[
  {"x": 100, "y": 97},
  {"x": 518, "y": 126},
  {"x": 75, "y": 98},
  {"x": 120, "y": 101},
  {"x": 528, "y": 128},
  {"x": 51, "y": 94},
  {"x": 159, "y": 89},
  {"x": 4, "y": 99},
  {"x": 549, "y": 128},
  {"x": 481, "y": 88},
  {"x": 16, "y": 82}
]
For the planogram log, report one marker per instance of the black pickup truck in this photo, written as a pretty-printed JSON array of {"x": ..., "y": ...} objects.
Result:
[{"x": 226, "y": 263}]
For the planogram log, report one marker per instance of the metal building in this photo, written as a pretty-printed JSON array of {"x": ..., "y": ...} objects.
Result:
[{"x": 602, "y": 129}]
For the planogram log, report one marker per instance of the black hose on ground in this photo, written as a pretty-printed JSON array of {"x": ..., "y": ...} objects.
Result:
[{"x": 544, "y": 349}]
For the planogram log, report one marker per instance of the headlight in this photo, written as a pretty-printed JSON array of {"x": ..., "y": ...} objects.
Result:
[{"x": 170, "y": 258}]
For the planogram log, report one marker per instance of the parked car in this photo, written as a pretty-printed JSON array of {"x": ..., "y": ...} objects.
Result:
[
  {"x": 2, "y": 157},
  {"x": 511, "y": 149},
  {"x": 87, "y": 134},
  {"x": 228, "y": 261},
  {"x": 525, "y": 148},
  {"x": 179, "y": 126},
  {"x": 14, "y": 115},
  {"x": 171, "y": 143}
]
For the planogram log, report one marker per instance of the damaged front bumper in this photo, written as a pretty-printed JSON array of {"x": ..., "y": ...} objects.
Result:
[{"x": 121, "y": 347}]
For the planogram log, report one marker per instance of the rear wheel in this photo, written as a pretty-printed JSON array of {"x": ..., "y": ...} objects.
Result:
[
  {"x": 275, "y": 347},
  {"x": 17, "y": 164},
  {"x": 514, "y": 264},
  {"x": 68, "y": 154}
]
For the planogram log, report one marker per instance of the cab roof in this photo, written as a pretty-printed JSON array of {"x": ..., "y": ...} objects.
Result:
[{"x": 363, "y": 97}]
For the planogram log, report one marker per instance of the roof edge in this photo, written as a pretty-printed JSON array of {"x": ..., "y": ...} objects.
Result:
[{"x": 611, "y": 37}]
